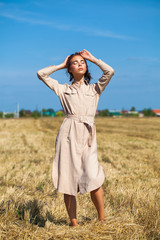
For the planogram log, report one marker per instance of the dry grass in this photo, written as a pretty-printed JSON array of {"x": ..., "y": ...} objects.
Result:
[{"x": 30, "y": 207}]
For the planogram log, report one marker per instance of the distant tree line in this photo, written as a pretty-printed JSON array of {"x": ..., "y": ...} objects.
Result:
[
  {"x": 8, "y": 115},
  {"x": 43, "y": 113},
  {"x": 146, "y": 112}
]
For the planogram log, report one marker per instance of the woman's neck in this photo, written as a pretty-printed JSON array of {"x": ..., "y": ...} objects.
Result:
[{"x": 78, "y": 79}]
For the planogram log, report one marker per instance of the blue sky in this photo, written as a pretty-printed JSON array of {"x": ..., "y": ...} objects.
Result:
[{"x": 37, "y": 34}]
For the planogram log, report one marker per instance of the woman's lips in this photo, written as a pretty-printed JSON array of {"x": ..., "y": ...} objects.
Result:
[{"x": 80, "y": 68}]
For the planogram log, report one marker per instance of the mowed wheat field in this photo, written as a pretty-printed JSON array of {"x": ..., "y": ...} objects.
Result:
[{"x": 30, "y": 206}]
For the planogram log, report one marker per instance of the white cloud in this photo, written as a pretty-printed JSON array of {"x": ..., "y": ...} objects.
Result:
[{"x": 64, "y": 27}]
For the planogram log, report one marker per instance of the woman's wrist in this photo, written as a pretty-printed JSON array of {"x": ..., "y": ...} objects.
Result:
[
  {"x": 60, "y": 66},
  {"x": 94, "y": 60}
]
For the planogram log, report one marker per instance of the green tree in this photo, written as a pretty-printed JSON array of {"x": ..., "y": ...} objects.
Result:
[
  {"x": 44, "y": 112},
  {"x": 133, "y": 109},
  {"x": 36, "y": 114},
  {"x": 134, "y": 114},
  {"x": 148, "y": 112},
  {"x": 22, "y": 113},
  {"x": 60, "y": 114},
  {"x": 104, "y": 113},
  {"x": 110, "y": 114},
  {"x": 9, "y": 115}
]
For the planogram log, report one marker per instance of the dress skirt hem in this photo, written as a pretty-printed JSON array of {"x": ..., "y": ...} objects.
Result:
[{"x": 83, "y": 187}]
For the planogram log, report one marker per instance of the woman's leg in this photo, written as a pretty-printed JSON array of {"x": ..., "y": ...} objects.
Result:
[
  {"x": 70, "y": 203},
  {"x": 97, "y": 197}
]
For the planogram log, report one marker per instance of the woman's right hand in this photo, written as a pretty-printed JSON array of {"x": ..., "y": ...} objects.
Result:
[
  {"x": 88, "y": 56},
  {"x": 65, "y": 61}
]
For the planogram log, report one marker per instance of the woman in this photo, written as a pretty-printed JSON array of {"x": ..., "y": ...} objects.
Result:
[{"x": 75, "y": 165}]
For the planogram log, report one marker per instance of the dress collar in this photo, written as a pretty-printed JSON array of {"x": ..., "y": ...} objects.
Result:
[{"x": 84, "y": 81}]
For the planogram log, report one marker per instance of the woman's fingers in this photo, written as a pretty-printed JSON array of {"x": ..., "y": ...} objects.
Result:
[
  {"x": 87, "y": 55},
  {"x": 84, "y": 51},
  {"x": 67, "y": 58},
  {"x": 65, "y": 61}
]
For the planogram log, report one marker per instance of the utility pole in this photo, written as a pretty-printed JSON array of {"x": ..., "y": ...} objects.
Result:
[{"x": 17, "y": 112}]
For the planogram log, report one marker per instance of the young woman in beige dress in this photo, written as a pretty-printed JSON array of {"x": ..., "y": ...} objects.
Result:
[{"x": 75, "y": 164}]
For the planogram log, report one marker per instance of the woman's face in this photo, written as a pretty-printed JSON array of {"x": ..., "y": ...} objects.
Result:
[{"x": 77, "y": 66}]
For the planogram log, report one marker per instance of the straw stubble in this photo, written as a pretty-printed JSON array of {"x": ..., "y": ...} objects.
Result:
[{"x": 30, "y": 207}]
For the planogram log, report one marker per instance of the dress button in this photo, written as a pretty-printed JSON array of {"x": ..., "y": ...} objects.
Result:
[{"x": 80, "y": 118}]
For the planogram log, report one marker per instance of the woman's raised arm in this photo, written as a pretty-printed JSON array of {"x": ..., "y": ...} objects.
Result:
[
  {"x": 108, "y": 71},
  {"x": 53, "y": 84}
]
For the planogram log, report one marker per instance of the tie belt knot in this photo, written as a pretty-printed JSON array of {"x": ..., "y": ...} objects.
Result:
[
  {"x": 85, "y": 119},
  {"x": 82, "y": 118}
]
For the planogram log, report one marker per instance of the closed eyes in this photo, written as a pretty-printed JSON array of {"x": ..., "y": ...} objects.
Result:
[{"x": 75, "y": 62}]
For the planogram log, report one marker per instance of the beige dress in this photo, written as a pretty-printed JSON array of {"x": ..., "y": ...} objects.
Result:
[{"x": 75, "y": 164}]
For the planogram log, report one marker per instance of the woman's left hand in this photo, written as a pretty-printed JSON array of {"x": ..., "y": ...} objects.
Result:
[{"x": 88, "y": 56}]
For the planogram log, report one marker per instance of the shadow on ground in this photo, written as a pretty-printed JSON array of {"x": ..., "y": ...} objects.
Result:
[{"x": 32, "y": 211}]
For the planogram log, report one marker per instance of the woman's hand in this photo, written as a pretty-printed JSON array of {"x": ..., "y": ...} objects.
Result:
[
  {"x": 88, "y": 56},
  {"x": 65, "y": 61}
]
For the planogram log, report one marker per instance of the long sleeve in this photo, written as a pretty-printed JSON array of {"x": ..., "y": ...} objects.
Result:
[
  {"x": 53, "y": 84},
  {"x": 108, "y": 72}
]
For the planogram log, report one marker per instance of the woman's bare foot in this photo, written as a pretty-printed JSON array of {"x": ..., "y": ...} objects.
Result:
[
  {"x": 102, "y": 220},
  {"x": 74, "y": 222}
]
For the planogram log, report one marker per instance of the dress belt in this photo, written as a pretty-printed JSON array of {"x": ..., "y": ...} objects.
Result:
[{"x": 89, "y": 120}]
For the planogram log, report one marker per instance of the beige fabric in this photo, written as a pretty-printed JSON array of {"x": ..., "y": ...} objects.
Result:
[{"x": 75, "y": 164}]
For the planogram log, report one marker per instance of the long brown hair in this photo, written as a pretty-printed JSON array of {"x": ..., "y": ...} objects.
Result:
[{"x": 87, "y": 75}]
